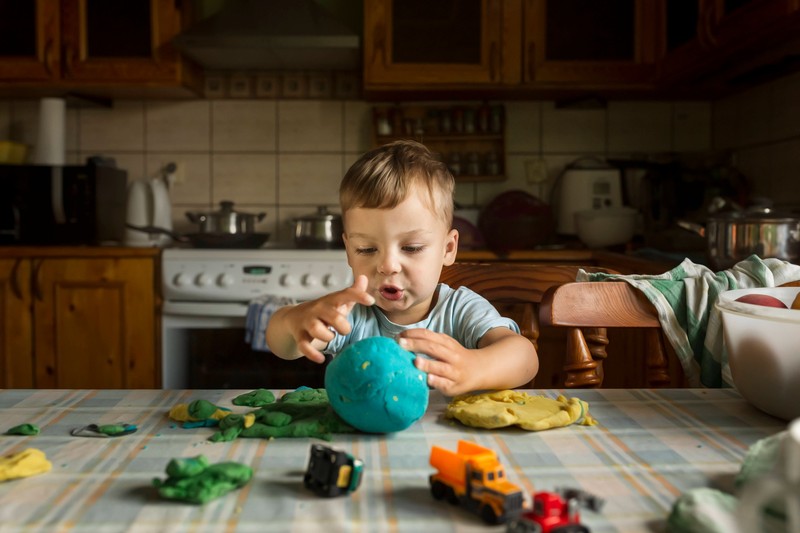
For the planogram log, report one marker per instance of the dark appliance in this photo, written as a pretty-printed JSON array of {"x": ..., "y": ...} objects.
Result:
[{"x": 62, "y": 205}]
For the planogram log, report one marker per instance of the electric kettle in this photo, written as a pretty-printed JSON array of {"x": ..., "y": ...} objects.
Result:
[{"x": 148, "y": 205}]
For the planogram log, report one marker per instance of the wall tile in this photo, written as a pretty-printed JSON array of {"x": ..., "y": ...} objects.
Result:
[
  {"x": 196, "y": 172},
  {"x": 309, "y": 179},
  {"x": 725, "y": 123},
  {"x": 785, "y": 118},
  {"x": 178, "y": 125},
  {"x": 310, "y": 126},
  {"x": 116, "y": 129},
  {"x": 357, "y": 126},
  {"x": 755, "y": 113},
  {"x": 523, "y": 127},
  {"x": 573, "y": 130},
  {"x": 691, "y": 127},
  {"x": 772, "y": 171},
  {"x": 244, "y": 126},
  {"x": 246, "y": 179},
  {"x": 639, "y": 126}
]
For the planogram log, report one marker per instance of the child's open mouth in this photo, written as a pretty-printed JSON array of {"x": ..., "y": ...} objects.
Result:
[{"x": 391, "y": 293}]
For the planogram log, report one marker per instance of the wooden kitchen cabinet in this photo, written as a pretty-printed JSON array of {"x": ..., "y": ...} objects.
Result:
[
  {"x": 79, "y": 322},
  {"x": 578, "y": 42},
  {"x": 111, "y": 48},
  {"x": 423, "y": 43},
  {"x": 508, "y": 44},
  {"x": 721, "y": 45}
]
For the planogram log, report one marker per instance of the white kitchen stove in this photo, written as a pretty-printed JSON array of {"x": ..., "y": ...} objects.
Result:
[
  {"x": 207, "y": 295},
  {"x": 201, "y": 275}
]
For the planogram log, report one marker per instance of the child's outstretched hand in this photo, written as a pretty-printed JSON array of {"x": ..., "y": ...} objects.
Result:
[{"x": 317, "y": 320}]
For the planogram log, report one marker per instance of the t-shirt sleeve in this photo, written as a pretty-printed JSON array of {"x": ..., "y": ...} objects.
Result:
[{"x": 473, "y": 316}]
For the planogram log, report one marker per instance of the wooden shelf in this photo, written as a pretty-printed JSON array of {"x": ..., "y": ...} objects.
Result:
[{"x": 469, "y": 138}]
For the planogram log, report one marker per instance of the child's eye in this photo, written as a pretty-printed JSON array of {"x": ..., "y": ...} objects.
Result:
[
  {"x": 413, "y": 249},
  {"x": 365, "y": 251}
]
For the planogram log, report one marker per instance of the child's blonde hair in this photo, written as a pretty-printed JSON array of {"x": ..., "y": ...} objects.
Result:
[{"x": 382, "y": 178}]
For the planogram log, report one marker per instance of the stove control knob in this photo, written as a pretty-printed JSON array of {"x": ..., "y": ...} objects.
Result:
[
  {"x": 309, "y": 280},
  {"x": 331, "y": 281},
  {"x": 203, "y": 280},
  {"x": 181, "y": 280},
  {"x": 287, "y": 280},
  {"x": 225, "y": 280}
]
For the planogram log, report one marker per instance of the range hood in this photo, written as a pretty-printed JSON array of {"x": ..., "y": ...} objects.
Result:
[{"x": 271, "y": 34}]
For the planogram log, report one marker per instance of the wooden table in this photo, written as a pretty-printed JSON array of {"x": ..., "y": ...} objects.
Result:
[{"x": 648, "y": 448}]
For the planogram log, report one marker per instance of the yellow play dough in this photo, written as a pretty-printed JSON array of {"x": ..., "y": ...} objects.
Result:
[
  {"x": 26, "y": 463},
  {"x": 507, "y": 407}
]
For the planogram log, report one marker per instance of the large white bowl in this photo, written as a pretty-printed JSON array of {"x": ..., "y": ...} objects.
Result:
[
  {"x": 605, "y": 227},
  {"x": 763, "y": 346}
]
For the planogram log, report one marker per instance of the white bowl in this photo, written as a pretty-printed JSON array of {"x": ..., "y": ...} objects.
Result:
[
  {"x": 605, "y": 227},
  {"x": 763, "y": 345}
]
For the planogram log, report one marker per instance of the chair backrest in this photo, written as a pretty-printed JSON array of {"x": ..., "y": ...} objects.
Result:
[
  {"x": 516, "y": 290},
  {"x": 587, "y": 308}
]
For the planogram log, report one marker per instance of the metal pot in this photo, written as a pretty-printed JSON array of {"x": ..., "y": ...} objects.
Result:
[
  {"x": 735, "y": 235},
  {"x": 320, "y": 230},
  {"x": 226, "y": 220}
]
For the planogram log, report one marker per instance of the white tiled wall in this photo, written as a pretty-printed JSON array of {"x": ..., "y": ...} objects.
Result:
[
  {"x": 762, "y": 128},
  {"x": 285, "y": 157}
]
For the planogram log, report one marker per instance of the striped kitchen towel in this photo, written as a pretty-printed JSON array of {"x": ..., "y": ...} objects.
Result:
[
  {"x": 684, "y": 298},
  {"x": 259, "y": 311}
]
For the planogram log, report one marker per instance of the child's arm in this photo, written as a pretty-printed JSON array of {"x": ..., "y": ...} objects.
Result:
[
  {"x": 503, "y": 360},
  {"x": 304, "y": 329}
]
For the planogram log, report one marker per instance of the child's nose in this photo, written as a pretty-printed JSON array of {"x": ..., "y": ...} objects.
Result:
[{"x": 388, "y": 263}]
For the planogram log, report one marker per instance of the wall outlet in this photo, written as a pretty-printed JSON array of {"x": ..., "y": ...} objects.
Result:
[
  {"x": 175, "y": 173},
  {"x": 535, "y": 171}
]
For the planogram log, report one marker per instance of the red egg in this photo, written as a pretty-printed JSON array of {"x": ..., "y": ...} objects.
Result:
[{"x": 761, "y": 299}]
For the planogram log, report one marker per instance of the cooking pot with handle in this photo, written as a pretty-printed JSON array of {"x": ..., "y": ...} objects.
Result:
[
  {"x": 733, "y": 236},
  {"x": 319, "y": 230},
  {"x": 226, "y": 220}
]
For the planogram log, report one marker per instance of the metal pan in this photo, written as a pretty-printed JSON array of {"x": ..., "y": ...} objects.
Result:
[{"x": 210, "y": 240}]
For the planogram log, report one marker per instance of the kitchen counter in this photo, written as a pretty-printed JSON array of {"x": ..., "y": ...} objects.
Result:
[
  {"x": 77, "y": 251},
  {"x": 649, "y": 447},
  {"x": 624, "y": 263}
]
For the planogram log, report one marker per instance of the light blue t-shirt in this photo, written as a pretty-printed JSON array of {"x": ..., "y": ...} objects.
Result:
[{"x": 461, "y": 313}]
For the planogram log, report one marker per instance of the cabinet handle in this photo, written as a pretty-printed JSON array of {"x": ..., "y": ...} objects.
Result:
[
  {"x": 68, "y": 60},
  {"x": 37, "y": 286},
  {"x": 531, "y": 61},
  {"x": 15, "y": 288},
  {"x": 48, "y": 58},
  {"x": 706, "y": 23},
  {"x": 493, "y": 60},
  {"x": 380, "y": 45}
]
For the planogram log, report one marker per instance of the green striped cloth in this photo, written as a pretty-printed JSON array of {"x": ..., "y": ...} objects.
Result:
[{"x": 684, "y": 298}]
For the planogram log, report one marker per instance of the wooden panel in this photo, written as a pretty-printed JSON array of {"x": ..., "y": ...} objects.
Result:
[{"x": 16, "y": 348}]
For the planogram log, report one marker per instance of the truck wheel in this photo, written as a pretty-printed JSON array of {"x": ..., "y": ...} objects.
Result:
[
  {"x": 438, "y": 490},
  {"x": 450, "y": 494},
  {"x": 488, "y": 515},
  {"x": 571, "y": 528},
  {"x": 521, "y": 525}
]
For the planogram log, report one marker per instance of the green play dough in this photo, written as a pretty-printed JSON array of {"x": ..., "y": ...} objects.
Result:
[
  {"x": 375, "y": 387},
  {"x": 195, "y": 480}
]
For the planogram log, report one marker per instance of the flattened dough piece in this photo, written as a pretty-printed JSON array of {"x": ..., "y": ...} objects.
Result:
[{"x": 507, "y": 407}]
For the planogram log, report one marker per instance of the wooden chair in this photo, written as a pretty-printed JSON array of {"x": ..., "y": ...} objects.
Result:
[
  {"x": 515, "y": 289},
  {"x": 587, "y": 309}
]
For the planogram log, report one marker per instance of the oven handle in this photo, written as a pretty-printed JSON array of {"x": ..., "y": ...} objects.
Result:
[{"x": 205, "y": 309}]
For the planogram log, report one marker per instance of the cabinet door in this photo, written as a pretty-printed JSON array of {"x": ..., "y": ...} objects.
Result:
[
  {"x": 29, "y": 40},
  {"x": 424, "y": 43},
  {"x": 16, "y": 347},
  {"x": 95, "y": 323},
  {"x": 579, "y": 41},
  {"x": 119, "y": 41}
]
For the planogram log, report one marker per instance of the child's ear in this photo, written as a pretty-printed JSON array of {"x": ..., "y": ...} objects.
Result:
[{"x": 450, "y": 247}]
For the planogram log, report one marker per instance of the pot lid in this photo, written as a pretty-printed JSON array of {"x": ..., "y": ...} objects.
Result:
[
  {"x": 322, "y": 214},
  {"x": 755, "y": 214}
]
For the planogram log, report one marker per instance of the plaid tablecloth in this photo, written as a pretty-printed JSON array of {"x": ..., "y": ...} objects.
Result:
[{"x": 649, "y": 447}]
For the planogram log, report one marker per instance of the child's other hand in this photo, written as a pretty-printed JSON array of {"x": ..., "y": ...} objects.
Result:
[
  {"x": 314, "y": 320},
  {"x": 453, "y": 369}
]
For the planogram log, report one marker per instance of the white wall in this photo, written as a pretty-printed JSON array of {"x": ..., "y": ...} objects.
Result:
[
  {"x": 761, "y": 127},
  {"x": 287, "y": 156}
]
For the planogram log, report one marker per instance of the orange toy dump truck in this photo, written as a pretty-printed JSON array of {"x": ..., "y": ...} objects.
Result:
[{"x": 473, "y": 478}]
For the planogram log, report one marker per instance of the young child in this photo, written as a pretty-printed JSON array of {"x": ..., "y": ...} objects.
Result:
[{"x": 397, "y": 210}]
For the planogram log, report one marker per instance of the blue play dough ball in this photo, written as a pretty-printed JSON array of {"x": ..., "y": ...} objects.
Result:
[{"x": 375, "y": 387}]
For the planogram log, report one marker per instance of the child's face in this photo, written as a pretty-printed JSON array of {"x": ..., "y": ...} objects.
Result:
[{"x": 402, "y": 252}]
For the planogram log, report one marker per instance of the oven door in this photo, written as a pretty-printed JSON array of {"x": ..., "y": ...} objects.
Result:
[{"x": 203, "y": 347}]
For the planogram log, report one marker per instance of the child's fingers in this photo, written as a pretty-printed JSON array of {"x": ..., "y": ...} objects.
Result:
[{"x": 310, "y": 352}]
